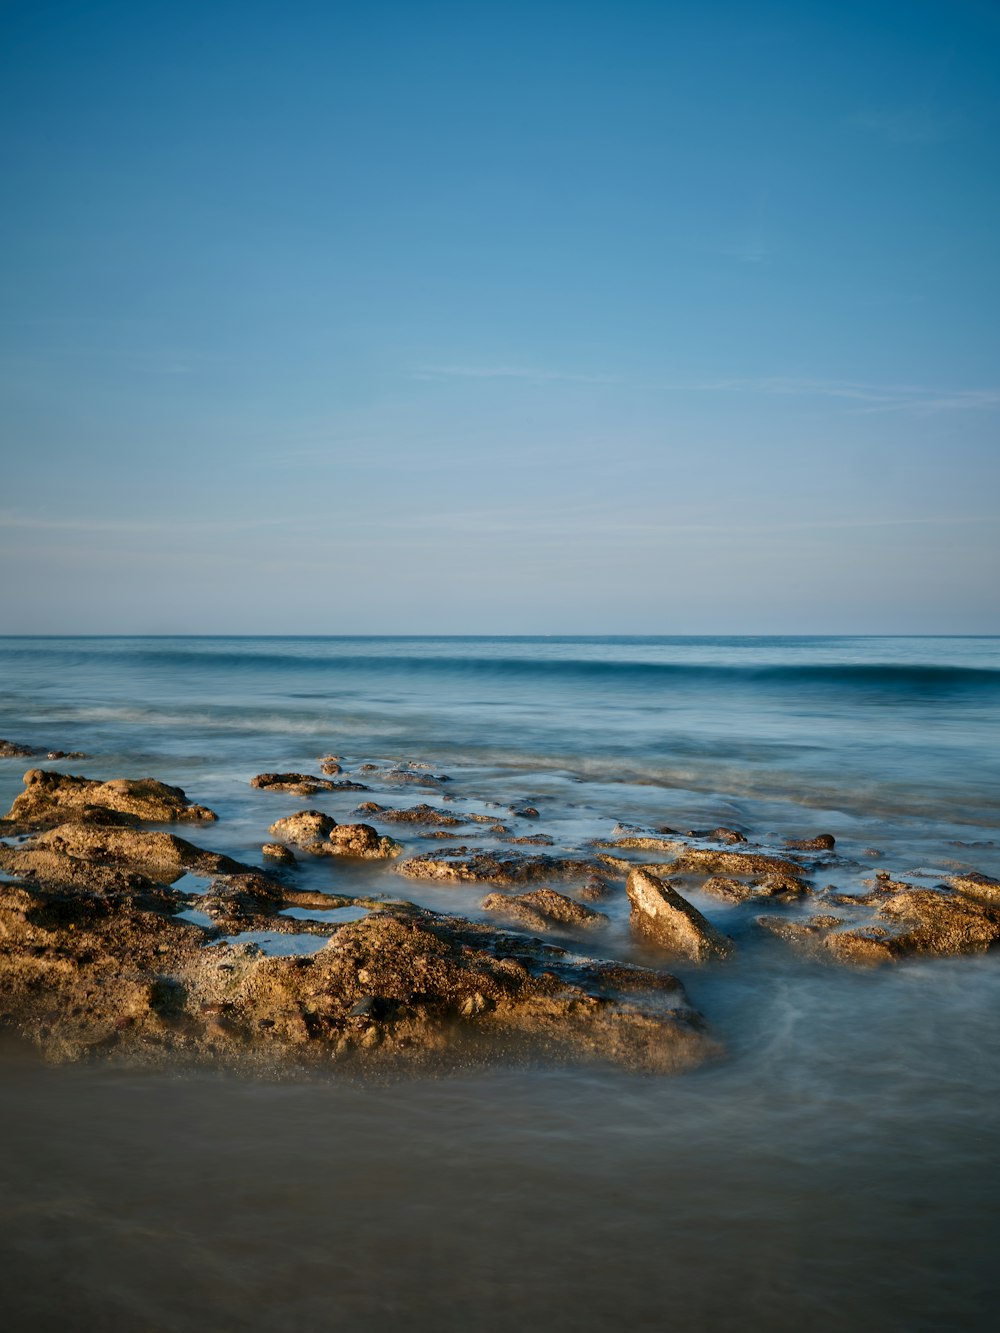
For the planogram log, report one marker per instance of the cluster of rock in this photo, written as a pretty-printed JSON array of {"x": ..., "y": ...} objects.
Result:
[{"x": 94, "y": 958}]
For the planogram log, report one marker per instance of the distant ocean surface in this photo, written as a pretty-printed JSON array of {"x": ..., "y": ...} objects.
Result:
[
  {"x": 835, "y": 1171},
  {"x": 906, "y": 727}
]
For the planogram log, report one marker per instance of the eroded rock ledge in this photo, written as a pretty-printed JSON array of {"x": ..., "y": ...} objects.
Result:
[{"x": 95, "y": 960}]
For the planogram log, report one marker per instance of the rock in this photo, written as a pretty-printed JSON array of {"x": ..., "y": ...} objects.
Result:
[
  {"x": 823, "y": 842},
  {"x": 360, "y": 840},
  {"x": 729, "y": 835},
  {"x": 11, "y": 750},
  {"x": 66, "y": 754},
  {"x": 704, "y": 860},
  {"x": 404, "y": 773},
  {"x": 277, "y": 852},
  {"x": 51, "y": 798},
  {"x": 301, "y": 784},
  {"x": 976, "y": 885},
  {"x": 416, "y": 814},
  {"x": 644, "y": 842},
  {"x": 465, "y": 865},
  {"x": 330, "y": 765},
  {"x": 304, "y": 829},
  {"x": 51, "y": 855},
  {"x": 524, "y": 811},
  {"x": 766, "y": 886},
  {"x": 800, "y": 931},
  {"x": 542, "y": 909},
  {"x": 535, "y": 840},
  {"x": 82, "y": 977},
  {"x": 660, "y": 913}
]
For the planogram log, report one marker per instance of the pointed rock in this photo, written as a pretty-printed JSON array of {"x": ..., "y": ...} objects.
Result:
[{"x": 661, "y": 914}]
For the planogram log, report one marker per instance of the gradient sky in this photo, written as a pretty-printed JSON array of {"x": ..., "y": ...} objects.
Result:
[{"x": 481, "y": 317}]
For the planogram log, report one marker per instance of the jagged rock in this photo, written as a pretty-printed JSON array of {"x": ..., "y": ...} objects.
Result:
[
  {"x": 330, "y": 765},
  {"x": 644, "y": 842},
  {"x": 768, "y": 886},
  {"x": 277, "y": 852},
  {"x": 66, "y": 754},
  {"x": 729, "y": 835},
  {"x": 466, "y": 865},
  {"x": 542, "y": 909},
  {"x": 301, "y": 784},
  {"x": 51, "y": 798},
  {"x": 976, "y": 885},
  {"x": 304, "y": 828},
  {"x": 84, "y": 976},
  {"x": 660, "y": 914},
  {"x": 416, "y": 814},
  {"x": 60, "y": 854},
  {"x": 809, "y": 930},
  {"x": 705, "y": 860},
  {"x": 12, "y": 750},
  {"x": 360, "y": 840},
  {"x": 534, "y": 840},
  {"x": 823, "y": 842}
]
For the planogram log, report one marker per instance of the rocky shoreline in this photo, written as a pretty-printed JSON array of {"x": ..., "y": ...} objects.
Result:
[{"x": 108, "y": 949}]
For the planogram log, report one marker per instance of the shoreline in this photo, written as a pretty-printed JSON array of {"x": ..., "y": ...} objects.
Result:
[{"x": 123, "y": 940}]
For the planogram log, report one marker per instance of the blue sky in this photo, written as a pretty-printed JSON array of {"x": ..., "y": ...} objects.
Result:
[{"x": 550, "y": 317}]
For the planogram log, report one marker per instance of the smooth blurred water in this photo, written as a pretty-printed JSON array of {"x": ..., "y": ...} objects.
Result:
[
  {"x": 905, "y": 727},
  {"x": 836, "y": 1170}
]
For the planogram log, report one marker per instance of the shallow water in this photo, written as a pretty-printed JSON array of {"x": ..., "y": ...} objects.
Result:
[{"x": 836, "y": 1169}]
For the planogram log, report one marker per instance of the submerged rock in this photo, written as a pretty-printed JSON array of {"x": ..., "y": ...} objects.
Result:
[
  {"x": 466, "y": 865},
  {"x": 278, "y": 852},
  {"x": 823, "y": 842},
  {"x": 301, "y": 784},
  {"x": 416, "y": 814},
  {"x": 542, "y": 909},
  {"x": 12, "y": 750},
  {"x": 660, "y": 914},
  {"x": 704, "y": 860}
]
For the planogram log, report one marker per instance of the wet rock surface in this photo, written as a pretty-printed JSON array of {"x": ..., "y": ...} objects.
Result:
[
  {"x": 466, "y": 865},
  {"x": 302, "y": 784},
  {"x": 102, "y": 949},
  {"x": 50, "y": 798},
  {"x": 542, "y": 909},
  {"x": 416, "y": 814},
  {"x": 662, "y": 915}
]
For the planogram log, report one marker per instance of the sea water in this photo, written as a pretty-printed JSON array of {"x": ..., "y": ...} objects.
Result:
[{"x": 836, "y": 1169}]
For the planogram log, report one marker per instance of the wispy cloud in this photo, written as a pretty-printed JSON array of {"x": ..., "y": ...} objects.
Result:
[
  {"x": 908, "y": 125},
  {"x": 172, "y": 527},
  {"x": 865, "y": 397},
  {"x": 532, "y": 374}
]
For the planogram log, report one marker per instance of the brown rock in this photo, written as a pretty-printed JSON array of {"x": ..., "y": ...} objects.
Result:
[
  {"x": 823, "y": 842},
  {"x": 11, "y": 750},
  {"x": 697, "y": 859},
  {"x": 976, "y": 885},
  {"x": 51, "y": 798},
  {"x": 416, "y": 814},
  {"x": 660, "y": 913},
  {"x": 360, "y": 840},
  {"x": 277, "y": 852},
  {"x": 542, "y": 909},
  {"x": 304, "y": 829},
  {"x": 301, "y": 784},
  {"x": 465, "y": 865}
]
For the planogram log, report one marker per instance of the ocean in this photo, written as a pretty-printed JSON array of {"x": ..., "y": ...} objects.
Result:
[{"x": 835, "y": 1169}]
